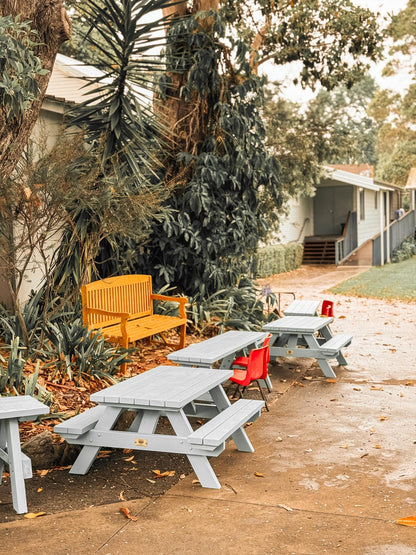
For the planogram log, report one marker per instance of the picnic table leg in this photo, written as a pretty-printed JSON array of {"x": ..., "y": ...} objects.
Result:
[
  {"x": 14, "y": 453},
  {"x": 88, "y": 453},
  {"x": 199, "y": 463},
  {"x": 240, "y": 437},
  {"x": 2, "y": 445},
  {"x": 322, "y": 361},
  {"x": 341, "y": 359}
]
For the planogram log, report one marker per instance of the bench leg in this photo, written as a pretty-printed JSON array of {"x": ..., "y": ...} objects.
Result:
[
  {"x": 240, "y": 437},
  {"x": 341, "y": 359},
  {"x": 16, "y": 466},
  {"x": 88, "y": 453},
  {"x": 326, "y": 368},
  {"x": 2, "y": 445},
  {"x": 199, "y": 463}
]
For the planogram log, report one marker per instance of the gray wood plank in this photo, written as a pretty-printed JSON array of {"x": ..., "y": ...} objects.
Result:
[
  {"x": 226, "y": 422},
  {"x": 302, "y": 308},
  {"x": 298, "y": 324},
  {"x": 216, "y": 348},
  {"x": 21, "y": 406},
  {"x": 163, "y": 386}
]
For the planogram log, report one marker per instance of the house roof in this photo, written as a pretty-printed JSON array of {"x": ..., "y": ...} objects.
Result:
[
  {"x": 351, "y": 178},
  {"x": 66, "y": 83},
  {"x": 411, "y": 180}
]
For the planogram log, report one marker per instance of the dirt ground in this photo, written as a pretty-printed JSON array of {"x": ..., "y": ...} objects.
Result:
[{"x": 383, "y": 333}]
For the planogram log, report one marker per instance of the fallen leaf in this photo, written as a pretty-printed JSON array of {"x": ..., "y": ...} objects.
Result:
[
  {"x": 401, "y": 394},
  {"x": 127, "y": 514},
  {"x": 331, "y": 381},
  {"x": 365, "y": 455},
  {"x": 410, "y": 382},
  {"x": 356, "y": 389},
  {"x": 33, "y": 515},
  {"x": 196, "y": 482},
  {"x": 259, "y": 474},
  {"x": 42, "y": 473},
  {"x": 342, "y": 316},
  {"x": 103, "y": 455},
  {"x": 407, "y": 521},
  {"x": 345, "y": 446},
  {"x": 383, "y": 417},
  {"x": 151, "y": 481},
  {"x": 334, "y": 399},
  {"x": 377, "y": 446},
  {"x": 279, "y": 439},
  {"x": 129, "y": 459},
  {"x": 127, "y": 451},
  {"x": 39, "y": 490},
  {"x": 188, "y": 509},
  {"x": 121, "y": 496},
  {"x": 308, "y": 450},
  {"x": 159, "y": 474},
  {"x": 372, "y": 430},
  {"x": 376, "y": 388},
  {"x": 307, "y": 378}
]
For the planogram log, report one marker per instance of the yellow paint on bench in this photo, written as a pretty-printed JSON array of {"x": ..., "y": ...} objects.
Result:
[{"x": 122, "y": 308}]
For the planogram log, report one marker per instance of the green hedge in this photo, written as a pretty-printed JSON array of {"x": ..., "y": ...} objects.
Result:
[{"x": 276, "y": 259}]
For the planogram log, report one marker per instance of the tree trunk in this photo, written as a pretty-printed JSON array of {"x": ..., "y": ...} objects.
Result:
[{"x": 50, "y": 20}]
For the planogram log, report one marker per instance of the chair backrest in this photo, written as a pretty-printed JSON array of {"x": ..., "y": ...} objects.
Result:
[
  {"x": 129, "y": 293},
  {"x": 266, "y": 343},
  {"x": 257, "y": 363},
  {"x": 327, "y": 308}
]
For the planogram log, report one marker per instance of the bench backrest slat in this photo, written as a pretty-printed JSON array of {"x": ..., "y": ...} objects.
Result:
[{"x": 130, "y": 293}]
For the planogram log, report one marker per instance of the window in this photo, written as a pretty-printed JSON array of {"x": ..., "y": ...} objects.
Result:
[{"x": 362, "y": 204}]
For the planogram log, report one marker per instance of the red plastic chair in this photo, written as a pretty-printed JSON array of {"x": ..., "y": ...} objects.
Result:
[
  {"x": 243, "y": 361},
  {"x": 256, "y": 370},
  {"x": 327, "y": 308}
]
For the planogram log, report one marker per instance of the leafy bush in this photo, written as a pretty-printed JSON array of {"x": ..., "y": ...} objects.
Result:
[
  {"x": 406, "y": 250},
  {"x": 238, "y": 307},
  {"x": 277, "y": 259},
  {"x": 77, "y": 351}
]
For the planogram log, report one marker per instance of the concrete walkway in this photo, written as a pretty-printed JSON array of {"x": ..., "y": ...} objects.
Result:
[{"x": 334, "y": 466}]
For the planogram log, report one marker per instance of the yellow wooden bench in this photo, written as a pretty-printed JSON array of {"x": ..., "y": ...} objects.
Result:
[{"x": 122, "y": 308}]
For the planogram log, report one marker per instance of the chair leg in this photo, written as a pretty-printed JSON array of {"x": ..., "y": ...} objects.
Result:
[
  {"x": 236, "y": 390},
  {"x": 262, "y": 394}
]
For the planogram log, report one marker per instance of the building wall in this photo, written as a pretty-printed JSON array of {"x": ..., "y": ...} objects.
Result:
[
  {"x": 370, "y": 225},
  {"x": 331, "y": 206},
  {"x": 298, "y": 222}
]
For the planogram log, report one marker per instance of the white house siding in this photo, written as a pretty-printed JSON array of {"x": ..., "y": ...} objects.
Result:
[
  {"x": 370, "y": 226},
  {"x": 294, "y": 226}
]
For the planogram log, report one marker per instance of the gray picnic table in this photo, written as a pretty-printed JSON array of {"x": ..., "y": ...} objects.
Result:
[
  {"x": 296, "y": 336},
  {"x": 12, "y": 411},
  {"x": 170, "y": 391},
  {"x": 224, "y": 347},
  {"x": 302, "y": 308}
]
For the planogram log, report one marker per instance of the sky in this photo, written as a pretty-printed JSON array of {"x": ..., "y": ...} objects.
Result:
[{"x": 286, "y": 74}]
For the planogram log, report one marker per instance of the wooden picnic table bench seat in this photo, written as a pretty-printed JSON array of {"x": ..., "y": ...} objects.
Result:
[
  {"x": 80, "y": 423},
  {"x": 121, "y": 308},
  {"x": 222, "y": 426},
  {"x": 333, "y": 345}
]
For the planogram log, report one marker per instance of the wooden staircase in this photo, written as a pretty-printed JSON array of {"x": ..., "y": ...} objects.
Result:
[{"x": 319, "y": 250}]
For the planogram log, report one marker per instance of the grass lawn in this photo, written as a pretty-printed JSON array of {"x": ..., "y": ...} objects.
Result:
[{"x": 393, "y": 281}]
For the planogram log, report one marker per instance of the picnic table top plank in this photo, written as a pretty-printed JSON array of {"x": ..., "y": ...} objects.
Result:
[
  {"x": 164, "y": 386},
  {"x": 216, "y": 348},
  {"x": 21, "y": 406},
  {"x": 298, "y": 324},
  {"x": 302, "y": 308}
]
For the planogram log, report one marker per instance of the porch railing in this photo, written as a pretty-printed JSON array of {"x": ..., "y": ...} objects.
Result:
[
  {"x": 348, "y": 242},
  {"x": 398, "y": 231}
]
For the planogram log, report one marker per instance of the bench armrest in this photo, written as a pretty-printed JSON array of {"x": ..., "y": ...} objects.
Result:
[
  {"x": 181, "y": 300},
  {"x": 121, "y": 315}
]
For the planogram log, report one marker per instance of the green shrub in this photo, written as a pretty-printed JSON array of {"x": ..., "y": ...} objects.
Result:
[
  {"x": 277, "y": 259},
  {"x": 406, "y": 250}
]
